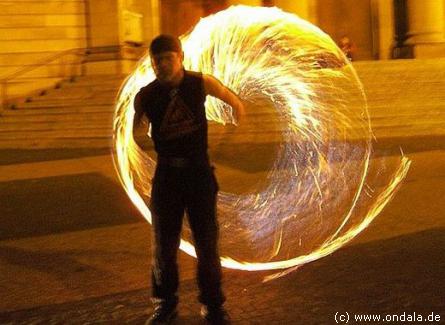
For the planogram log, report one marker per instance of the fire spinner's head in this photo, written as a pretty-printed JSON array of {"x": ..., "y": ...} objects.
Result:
[{"x": 166, "y": 57}]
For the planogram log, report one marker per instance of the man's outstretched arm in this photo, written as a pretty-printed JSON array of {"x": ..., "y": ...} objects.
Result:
[
  {"x": 138, "y": 111},
  {"x": 138, "y": 119},
  {"x": 214, "y": 87}
]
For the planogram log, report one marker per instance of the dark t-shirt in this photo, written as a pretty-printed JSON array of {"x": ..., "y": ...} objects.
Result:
[{"x": 177, "y": 116}]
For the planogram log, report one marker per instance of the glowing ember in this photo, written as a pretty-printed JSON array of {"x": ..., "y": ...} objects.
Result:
[{"x": 324, "y": 186}]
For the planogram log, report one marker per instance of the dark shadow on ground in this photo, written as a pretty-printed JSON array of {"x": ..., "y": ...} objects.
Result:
[
  {"x": 235, "y": 155},
  {"x": 63, "y": 265},
  {"x": 64, "y": 203},
  {"x": 247, "y": 157},
  {"x": 393, "y": 276},
  {"x": 390, "y": 146},
  {"x": 257, "y": 157},
  {"x": 22, "y": 156}
]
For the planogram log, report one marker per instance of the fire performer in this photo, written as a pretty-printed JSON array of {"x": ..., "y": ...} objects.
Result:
[{"x": 184, "y": 179}]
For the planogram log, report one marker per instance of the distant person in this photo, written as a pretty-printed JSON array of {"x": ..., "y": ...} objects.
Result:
[
  {"x": 347, "y": 47},
  {"x": 184, "y": 179}
]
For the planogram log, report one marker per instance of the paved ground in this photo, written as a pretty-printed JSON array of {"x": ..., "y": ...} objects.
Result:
[{"x": 86, "y": 259}]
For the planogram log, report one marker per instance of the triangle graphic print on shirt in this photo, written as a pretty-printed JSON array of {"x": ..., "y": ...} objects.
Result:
[{"x": 178, "y": 120}]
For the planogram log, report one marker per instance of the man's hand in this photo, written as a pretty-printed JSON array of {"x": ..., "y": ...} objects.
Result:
[
  {"x": 239, "y": 113},
  {"x": 214, "y": 87}
]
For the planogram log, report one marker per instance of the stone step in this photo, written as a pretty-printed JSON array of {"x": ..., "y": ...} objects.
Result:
[
  {"x": 105, "y": 121},
  {"x": 48, "y": 133},
  {"x": 399, "y": 65},
  {"x": 408, "y": 81},
  {"x": 397, "y": 108},
  {"x": 40, "y": 33},
  {"x": 54, "y": 70},
  {"x": 56, "y": 111},
  {"x": 79, "y": 107},
  {"x": 68, "y": 103},
  {"x": 403, "y": 77},
  {"x": 58, "y": 125},
  {"x": 402, "y": 94},
  {"x": 41, "y": 7},
  {"x": 420, "y": 94},
  {"x": 387, "y": 128},
  {"x": 101, "y": 80},
  {"x": 18, "y": 87},
  {"x": 109, "y": 66},
  {"x": 383, "y": 108},
  {"x": 25, "y": 58},
  {"x": 104, "y": 139},
  {"x": 99, "y": 125},
  {"x": 81, "y": 82},
  {"x": 426, "y": 129},
  {"x": 412, "y": 116},
  {"x": 390, "y": 88},
  {"x": 57, "y": 45},
  {"x": 70, "y": 89},
  {"x": 91, "y": 142},
  {"x": 90, "y": 118},
  {"x": 429, "y": 98},
  {"x": 47, "y": 20},
  {"x": 61, "y": 96}
]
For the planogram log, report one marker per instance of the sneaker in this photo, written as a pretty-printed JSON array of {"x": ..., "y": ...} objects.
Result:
[
  {"x": 162, "y": 315},
  {"x": 215, "y": 316}
]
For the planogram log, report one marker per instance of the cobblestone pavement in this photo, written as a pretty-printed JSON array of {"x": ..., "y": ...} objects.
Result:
[
  {"x": 383, "y": 277},
  {"x": 94, "y": 270},
  {"x": 85, "y": 260}
]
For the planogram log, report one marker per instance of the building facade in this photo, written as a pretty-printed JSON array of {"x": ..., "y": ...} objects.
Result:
[{"x": 36, "y": 34}]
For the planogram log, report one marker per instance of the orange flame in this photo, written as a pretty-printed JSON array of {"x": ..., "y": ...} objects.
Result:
[{"x": 319, "y": 181}]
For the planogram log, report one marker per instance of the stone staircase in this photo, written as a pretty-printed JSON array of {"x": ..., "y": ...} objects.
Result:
[
  {"x": 406, "y": 100},
  {"x": 77, "y": 114},
  {"x": 32, "y": 31}
]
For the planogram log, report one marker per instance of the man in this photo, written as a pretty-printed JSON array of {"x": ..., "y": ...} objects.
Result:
[{"x": 184, "y": 180}]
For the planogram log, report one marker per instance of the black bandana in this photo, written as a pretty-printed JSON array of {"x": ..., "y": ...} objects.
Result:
[{"x": 165, "y": 43}]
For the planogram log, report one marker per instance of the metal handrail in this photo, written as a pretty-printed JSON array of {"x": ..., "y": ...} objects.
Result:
[{"x": 81, "y": 52}]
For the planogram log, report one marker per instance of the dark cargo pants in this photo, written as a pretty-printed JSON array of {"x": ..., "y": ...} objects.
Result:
[{"x": 177, "y": 190}]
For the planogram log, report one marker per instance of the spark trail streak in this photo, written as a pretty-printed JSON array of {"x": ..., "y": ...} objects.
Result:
[{"x": 313, "y": 200}]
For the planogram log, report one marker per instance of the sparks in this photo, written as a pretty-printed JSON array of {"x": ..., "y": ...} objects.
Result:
[{"x": 315, "y": 199}]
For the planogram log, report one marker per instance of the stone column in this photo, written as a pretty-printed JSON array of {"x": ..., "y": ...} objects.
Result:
[
  {"x": 119, "y": 31},
  {"x": 102, "y": 23},
  {"x": 306, "y": 9},
  {"x": 139, "y": 21},
  {"x": 244, "y": 2},
  {"x": 426, "y": 28},
  {"x": 138, "y": 24},
  {"x": 103, "y": 37},
  {"x": 153, "y": 21},
  {"x": 385, "y": 26},
  {"x": 179, "y": 16}
]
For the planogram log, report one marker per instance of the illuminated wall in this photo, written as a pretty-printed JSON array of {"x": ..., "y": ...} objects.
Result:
[
  {"x": 34, "y": 30},
  {"x": 177, "y": 17},
  {"x": 305, "y": 9},
  {"x": 117, "y": 29},
  {"x": 31, "y": 34},
  {"x": 102, "y": 22},
  {"x": 349, "y": 18},
  {"x": 368, "y": 23}
]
